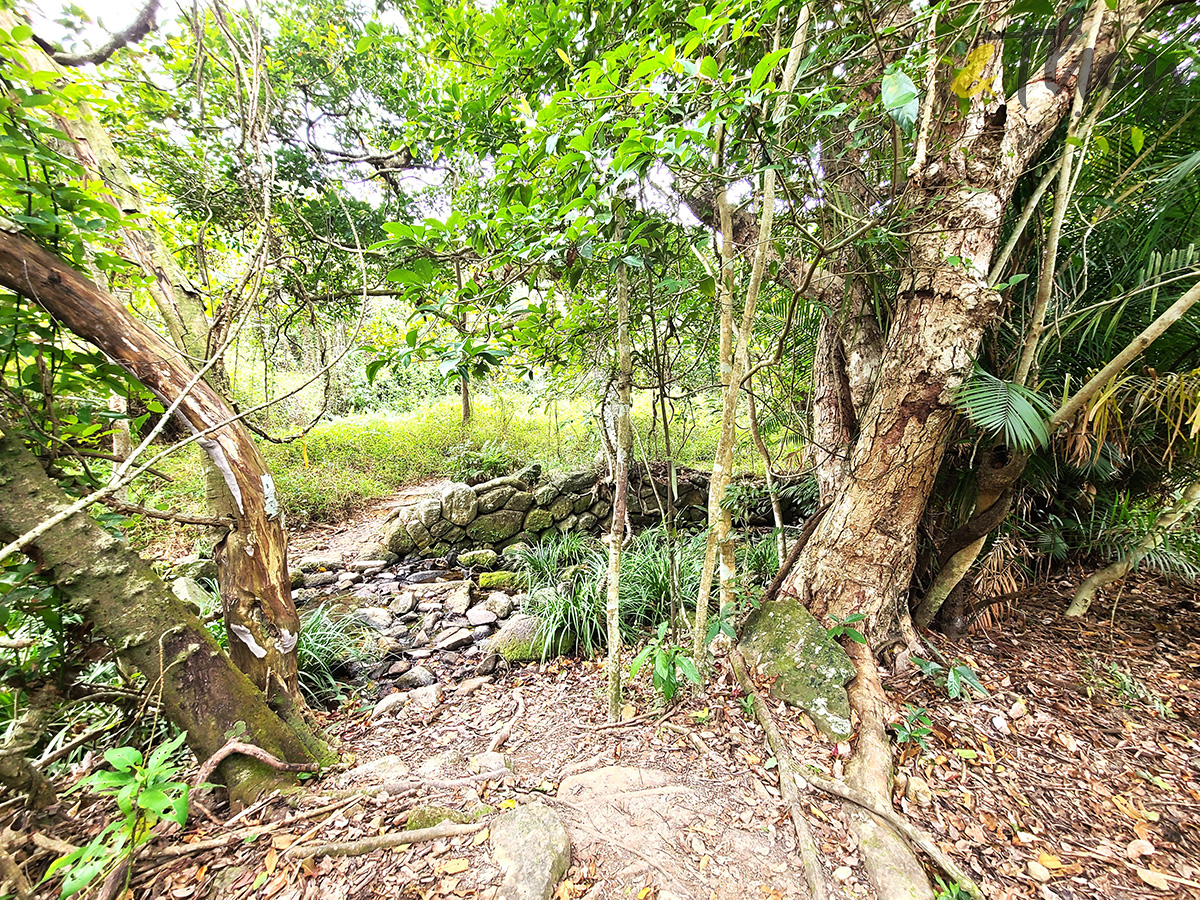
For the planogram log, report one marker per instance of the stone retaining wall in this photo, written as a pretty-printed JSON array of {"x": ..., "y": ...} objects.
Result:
[{"x": 527, "y": 507}]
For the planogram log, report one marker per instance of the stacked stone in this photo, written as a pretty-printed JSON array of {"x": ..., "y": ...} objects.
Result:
[{"x": 497, "y": 514}]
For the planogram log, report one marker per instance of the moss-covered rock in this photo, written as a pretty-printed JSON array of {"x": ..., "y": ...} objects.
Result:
[
  {"x": 560, "y": 508},
  {"x": 521, "y": 501},
  {"x": 429, "y": 814},
  {"x": 495, "y": 527},
  {"x": 783, "y": 639},
  {"x": 397, "y": 539},
  {"x": 520, "y": 639},
  {"x": 478, "y": 559},
  {"x": 538, "y": 519},
  {"x": 504, "y": 580}
]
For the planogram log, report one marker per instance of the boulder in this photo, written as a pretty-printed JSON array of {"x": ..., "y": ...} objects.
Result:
[
  {"x": 396, "y": 538},
  {"x": 600, "y": 509},
  {"x": 404, "y": 602},
  {"x": 496, "y": 526},
  {"x": 784, "y": 642},
  {"x": 576, "y": 482},
  {"x": 567, "y": 524},
  {"x": 459, "y": 503},
  {"x": 426, "y": 511},
  {"x": 520, "y": 501},
  {"x": 189, "y": 591},
  {"x": 481, "y": 615},
  {"x": 532, "y": 849},
  {"x": 586, "y": 522},
  {"x": 427, "y": 697},
  {"x": 520, "y": 640},
  {"x": 319, "y": 579},
  {"x": 389, "y": 703},
  {"x": 545, "y": 494},
  {"x": 478, "y": 559},
  {"x": 197, "y": 567},
  {"x": 581, "y": 503},
  {"x": 374, "y": 616},
  {"x": 458, "y": 601},
  {"x": 494, "y": 499},
  {"x": 440, "y": 528},
  {"x": 419, "y": 533},
  {"x": 502, "y": 581},
  {"x": 538, "y": 519}
]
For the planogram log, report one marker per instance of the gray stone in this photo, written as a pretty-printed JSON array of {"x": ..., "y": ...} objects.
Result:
[
  {"x": 530, "y": 474},
  {"x": 490, "y": 760},
  {"x": 319, "y": 579},
  {"x": 481, "y": 615},
  {"x": 581, "y": 503},
  {"x": 440, "y": 528},
  {"x": 586, "y": 522},
  {"x": 348, "y": 578},
  {"x": 499, "y": 603},
  {"x": 513, "y": 549},
  {"x": 420, "y": 534},
  {"x": 397, "y": 539},
  {"x": 560, "y": 508},
  {"x": 532, "y": 849},
  {"x": 374, "y": 616},
  {"x": 404, "y": 602},
  {"x": 458, "y": 601},
  {"x": 538, "y": 519},
  {"x": 494, "y": 499},
  {"x": 189, "y": 591},
  {"x": 520, "y": 640},
  {"x": 416, "y": 677},
  {"x": 315, "y": 562},
  {"x": 196, "y": 567},
  {"x": 521, "y": 501},
  {"x": 478, "y": 559},
  {"x": 481, "y": 633},
  {"x": 454, "y": 535},
  {"x": 426, "y": 511},
  {"x": 568, "y": 524},
  {"x": 784, "y": 640},
  {"x": 375, "y": 550},
  {"x": 430, "y": 621},
  {"x": 600, "y": 509},
  {"x": 365, "y": 565},
  {"x": 545, "y": 494},
  {"x": 388, "y": 704},
  {"x": 496, "y": 526},
  {"x": 579, "y": 481},
  {"x": 459, "y": 503},
  {"x": 453, "y": 638},
  {"x": 427, "y": 697}
]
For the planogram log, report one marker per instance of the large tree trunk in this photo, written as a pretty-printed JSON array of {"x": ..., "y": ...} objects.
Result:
[
  {"x": 861, "y": 558},
  {"x": 119, "y": 595},
  {"x": 252, "y": 558}
]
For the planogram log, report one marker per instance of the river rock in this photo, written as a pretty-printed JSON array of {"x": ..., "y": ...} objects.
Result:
[
  {"x": 784, "y": 640},
  {"x": 481, "y": 615},
  {"x": 376, "y": 617},
  {"x": 499, "y": 603},
  {"x": 416, "y": 677},
  {"x": 453, "y": 639},
  {"x": 316, "y": 561},
  {"x": 519, "y": 640},
  {"x": 459, "y": 503},
  {"x": 532, "y": 849}
]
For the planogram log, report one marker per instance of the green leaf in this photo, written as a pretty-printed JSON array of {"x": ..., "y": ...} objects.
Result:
[
  {"x": 639, "y": 660},
  {"x": 899, "y": 96},
  {"x": 1138, "y": 138},
  {"x": 689, "y": 669},
  {"x": 709, "y": 68},
  {"x": 1001, "y": 407},
  {"x": 764, "y": 67},
  {"x": 123, "y": 758},
  {"x": 22, "y": 32}
]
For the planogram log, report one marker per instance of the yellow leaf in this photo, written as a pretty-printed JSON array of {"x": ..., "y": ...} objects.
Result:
[
  {"x": 628, "y": 711},
  {"x": 1049, "y": 861},
  {"x": 454, "y": 866},
  {"x": 645, "y": 892},
  {"x": 304, "y": 452},
  {"x": 1154, "y": 879},
  {"x": 271, "y": 861},
  {"x": 481, "y": 836},
  {"x": 283, "y": 841},
  {"x": 968, "y": 83},
  {"x": 562, "y": 54},
  {"x": 566, "y": 890}
]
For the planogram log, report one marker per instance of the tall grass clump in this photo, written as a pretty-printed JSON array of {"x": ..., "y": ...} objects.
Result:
[
  {"x": 329, "y": 653},
  {"x": 568, "y": 589}
]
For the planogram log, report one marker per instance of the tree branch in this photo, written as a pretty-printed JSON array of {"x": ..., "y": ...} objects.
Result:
[{"x": 142, "y": 26}]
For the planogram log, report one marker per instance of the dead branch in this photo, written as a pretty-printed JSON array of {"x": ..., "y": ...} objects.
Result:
[
  {"x": 788, "y": 785},
  {"x": 388, "y": 841},
  {"x": 504, "y": 733},
  {"x": 252, "y": 751},
  {"x": 182, "y": 518}
]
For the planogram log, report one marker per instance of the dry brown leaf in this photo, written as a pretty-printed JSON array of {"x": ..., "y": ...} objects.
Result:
[
  {"x": 481, "y": 836},
  {"x": 1142, "y": 830},
  {"x": 271, "y": 861},
  {"x": 453, "y": 866},
  {"x": 1154, "y": 879},
  {"x": 1139, "y": 848},
  {"x": 566, "y": 890}
]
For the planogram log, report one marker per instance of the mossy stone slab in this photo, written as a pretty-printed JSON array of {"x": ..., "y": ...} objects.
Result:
[{"x": 783, "y": 640}]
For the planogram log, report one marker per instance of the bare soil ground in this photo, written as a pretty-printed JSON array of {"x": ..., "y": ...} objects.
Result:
[{"x": 1077, "y": 777}]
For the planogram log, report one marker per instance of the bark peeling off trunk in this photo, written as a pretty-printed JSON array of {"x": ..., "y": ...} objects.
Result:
[{"x": 255, "y": 589}]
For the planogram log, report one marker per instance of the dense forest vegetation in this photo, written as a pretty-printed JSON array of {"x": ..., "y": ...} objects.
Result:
[{"x": 909, "y": 290}]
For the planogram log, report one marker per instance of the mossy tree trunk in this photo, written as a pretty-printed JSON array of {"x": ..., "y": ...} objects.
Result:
[{"x": 118, "y": 594}]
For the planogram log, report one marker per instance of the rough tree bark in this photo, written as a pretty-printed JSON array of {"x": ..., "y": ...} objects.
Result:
[
  {"x": 146, "y": 625},
  {"x": 862, "y": 556},
  {"x": 261, "y": 616},
  {"x": 616, "y": 534}
]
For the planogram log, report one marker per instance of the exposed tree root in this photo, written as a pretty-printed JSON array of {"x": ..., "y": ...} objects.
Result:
[
  {"x": 892, "y": 867},
  {"x": 788, "y": 787},
  {"x": 252, "y": 751},
  {"x": 387, "y": 841}
]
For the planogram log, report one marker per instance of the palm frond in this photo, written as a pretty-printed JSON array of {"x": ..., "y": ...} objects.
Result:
[{"x": 1003, "y": 408}]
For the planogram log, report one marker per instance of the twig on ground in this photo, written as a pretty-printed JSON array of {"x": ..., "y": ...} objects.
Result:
[
  {"x": 635, "y": 720},
  {"x": 506, "y": 732},
  {"x": 53, "y": 844},
  {"x": 388, "y": 841},
  {"x": 788, "y": 788},
  {"x": 12, "y": 876}
]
